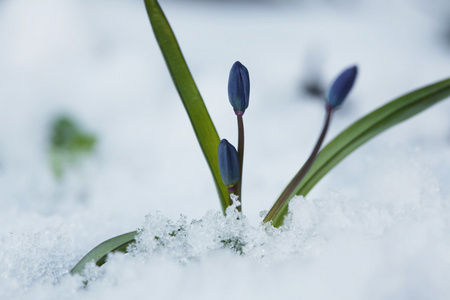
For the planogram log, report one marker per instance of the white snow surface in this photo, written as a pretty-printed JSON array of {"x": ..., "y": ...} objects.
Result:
[{"x": 376, "y": 227}]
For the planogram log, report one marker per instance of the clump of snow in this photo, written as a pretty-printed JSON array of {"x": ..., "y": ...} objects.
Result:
[{"x": 328, "y": 248}]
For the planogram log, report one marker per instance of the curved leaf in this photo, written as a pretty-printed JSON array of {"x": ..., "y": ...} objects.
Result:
[
  {"x": 195, "y": 107},
  {"x": 362, "y": 131},
  {"x": 99, "y": 253}
]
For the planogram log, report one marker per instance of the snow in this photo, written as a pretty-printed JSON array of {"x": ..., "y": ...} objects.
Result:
[{"x": 376, "y": 227}]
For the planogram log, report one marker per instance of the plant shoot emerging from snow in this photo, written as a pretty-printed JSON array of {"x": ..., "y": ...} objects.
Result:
[{"x": 226, "y": 163}]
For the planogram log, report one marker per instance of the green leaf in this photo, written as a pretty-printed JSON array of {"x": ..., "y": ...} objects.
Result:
[
  {"x": 195, "y": 107},
  {"x": 99, "y": 253},
  {"x": 362, "y": 131}
]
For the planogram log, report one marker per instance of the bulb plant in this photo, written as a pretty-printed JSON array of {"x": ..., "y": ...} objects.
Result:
[
  {"x": 336, "y": 96},
  {"x": 226, "y": 163},
  {"x": 239, "y": 95}
]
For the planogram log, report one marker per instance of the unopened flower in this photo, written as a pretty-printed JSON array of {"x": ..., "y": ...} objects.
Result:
[
  {"x": 239, "y": 87},
  {"x": 341, "y": 87},
  {"x": 228, "y": 163}
]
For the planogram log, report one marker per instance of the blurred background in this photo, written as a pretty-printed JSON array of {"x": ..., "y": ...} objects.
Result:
[{"x": 91, "y": 124}]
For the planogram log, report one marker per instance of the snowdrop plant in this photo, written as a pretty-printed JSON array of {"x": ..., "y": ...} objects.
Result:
[
  {"x": 239, "y": 96},
  {"x": 225, "y": 162},
  {"x": 337, "y": 94}
]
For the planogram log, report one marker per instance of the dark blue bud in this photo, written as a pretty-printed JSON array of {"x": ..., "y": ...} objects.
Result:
[
  {"x": 341, "y": 87},
  {"x": 228, "y": 163},
  {"x": 239, "y": 87}
]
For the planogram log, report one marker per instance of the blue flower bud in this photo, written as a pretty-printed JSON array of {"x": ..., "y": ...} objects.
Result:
[
  {"x": 239, "y": 87},
  {"x": 228, "y": 163},
  {"x": 341, "y": 87}
]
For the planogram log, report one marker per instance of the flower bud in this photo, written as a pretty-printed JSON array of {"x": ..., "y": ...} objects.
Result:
[
  {"x": 239, "y": 87},
  {"x": 341, "y": 87},
  {"x": 228, "y": 163}
]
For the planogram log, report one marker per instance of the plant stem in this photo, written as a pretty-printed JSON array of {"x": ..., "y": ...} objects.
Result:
[
  {"x": 238, "y": 186},
  {"x": 286, "y": 194}
]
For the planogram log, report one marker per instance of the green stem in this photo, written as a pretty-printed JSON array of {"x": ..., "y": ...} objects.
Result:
[
  {"x": 238, "y": 186},
  {"x": 290, "y": 188}
]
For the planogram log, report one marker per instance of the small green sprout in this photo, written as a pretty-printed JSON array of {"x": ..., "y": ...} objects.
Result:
[{"x": 68, "y": 145}]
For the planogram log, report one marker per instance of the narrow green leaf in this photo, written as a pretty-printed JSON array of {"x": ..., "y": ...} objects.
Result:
[
  {"x": 99, "y": 253},
  {"x": 362, "y": 131},
  {"x": 201, "y": 121}
]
